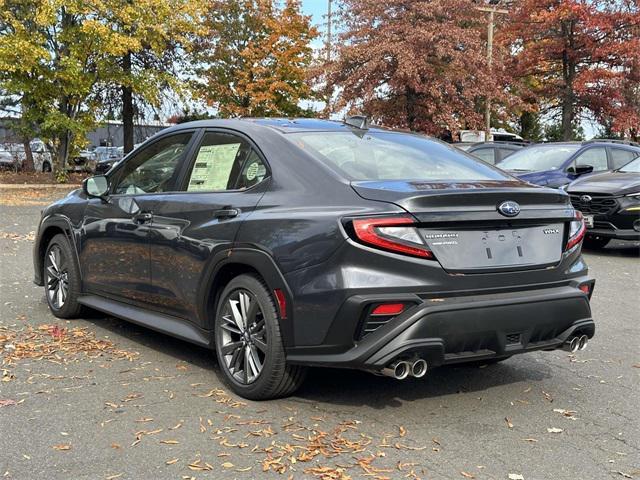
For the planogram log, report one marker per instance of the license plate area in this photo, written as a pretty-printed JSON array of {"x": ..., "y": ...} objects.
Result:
[
  {"x": 469, "y": 250},
  {"x": 588, "y": 221}
]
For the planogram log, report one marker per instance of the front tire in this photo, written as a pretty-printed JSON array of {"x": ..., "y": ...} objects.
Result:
[
  {"x": 595, "y": 243},
  {"x": 249, "y": 345},
  {"x": 62, "y": 278}
]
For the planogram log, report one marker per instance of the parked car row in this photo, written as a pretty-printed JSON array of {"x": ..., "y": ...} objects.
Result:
[
  {"x": 97, "y": 160},
  {"x": 602, "y": 178}
]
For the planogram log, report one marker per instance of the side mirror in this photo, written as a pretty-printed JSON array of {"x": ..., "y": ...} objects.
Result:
[
  {"x": 582, "y": 169},
  {"x": 97, "y": 186}
]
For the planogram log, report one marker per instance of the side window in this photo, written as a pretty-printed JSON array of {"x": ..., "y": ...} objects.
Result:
[
  {"x": 596, "y": 157},
  {"x": 620, "y": 157},
  {"x": 153, "y": 169},
  {"x": 485, "y": 154},
  {"x": 505, "y": 152},
  {"x": 224, "y": 162}
]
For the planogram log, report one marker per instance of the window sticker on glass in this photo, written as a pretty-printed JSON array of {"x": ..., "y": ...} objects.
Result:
[{"x": 213, "y": 167}]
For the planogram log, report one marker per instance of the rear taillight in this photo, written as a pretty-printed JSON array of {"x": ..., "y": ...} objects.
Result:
[
  {"x": 577, "y": 229},
  {"x": 395, "y": 234}
]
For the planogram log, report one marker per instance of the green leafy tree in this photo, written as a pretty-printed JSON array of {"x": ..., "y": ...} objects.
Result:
[
  {"x": 59, "y": 59},
  {"x": 153, "y": 55},
  {"x": 255, "y": 57}
]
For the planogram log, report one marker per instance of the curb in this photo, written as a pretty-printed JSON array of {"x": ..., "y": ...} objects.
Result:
[{"x": 18, "y": 186}]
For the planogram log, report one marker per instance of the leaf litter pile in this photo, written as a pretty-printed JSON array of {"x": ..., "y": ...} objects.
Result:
[{"x": 52, "y": 343}]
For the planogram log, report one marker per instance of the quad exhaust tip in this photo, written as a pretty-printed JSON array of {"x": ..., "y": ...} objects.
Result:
[
  {"x": 582, "y": 343},
  {"x": 419, "y": 368},
  {"x": 576, "y": 343},
  {"x": 402, "y": 369}
]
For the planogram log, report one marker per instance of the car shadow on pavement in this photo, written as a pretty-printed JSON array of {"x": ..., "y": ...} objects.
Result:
[
  {"x": 355, "y": 388},
  {"x": 344, "y": 386},
  {"x": 617, "y": 249}
]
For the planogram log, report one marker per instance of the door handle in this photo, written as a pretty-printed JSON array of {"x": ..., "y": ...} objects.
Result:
[
  {"x": 143, "y": 217},
  {"x": 226, "y": 213}
]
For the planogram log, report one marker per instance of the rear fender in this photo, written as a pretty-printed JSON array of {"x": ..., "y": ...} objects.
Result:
[{"x": 256, "y": 260}]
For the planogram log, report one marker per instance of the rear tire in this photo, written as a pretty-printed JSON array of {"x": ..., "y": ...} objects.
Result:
[
  {"x": 61, "y": 278},
  {"x": 249, "y": 344},
  {"x": 595, "y": 243}
]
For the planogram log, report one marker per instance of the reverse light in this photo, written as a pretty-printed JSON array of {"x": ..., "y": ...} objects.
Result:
[
  {"x": 395, "y": 234},
  {"x": 388, "y": 309},
  {"x": 577, "y": 230}
]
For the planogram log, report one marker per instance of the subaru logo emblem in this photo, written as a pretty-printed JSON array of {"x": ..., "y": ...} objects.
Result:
[
  {"x": 509, "y": 208},
  {"x": 585, "y": 198}
]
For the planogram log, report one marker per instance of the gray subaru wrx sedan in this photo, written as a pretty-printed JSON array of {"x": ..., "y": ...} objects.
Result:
[{"x": 282, "y": 244}]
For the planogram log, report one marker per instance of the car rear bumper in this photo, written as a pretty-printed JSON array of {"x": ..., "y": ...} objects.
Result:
[
  {"x": 627, "y": 234},
  {"x": 460, "y": 329}
]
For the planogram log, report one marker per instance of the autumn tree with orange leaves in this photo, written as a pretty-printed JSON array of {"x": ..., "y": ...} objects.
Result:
[
  {"x": 579, "y": 57},
  {"x": 416, "y": 64},
  {"x": 255, "y": 57}
]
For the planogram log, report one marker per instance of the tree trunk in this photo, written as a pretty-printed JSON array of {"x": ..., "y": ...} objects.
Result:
[
  {"x": 27, "y": 165},
  {"x": 412, "y": 99},
  {"x": 62, "y": 153},
  {"x": 127, "y": 107},
  {"x": 568, "y": 74}
]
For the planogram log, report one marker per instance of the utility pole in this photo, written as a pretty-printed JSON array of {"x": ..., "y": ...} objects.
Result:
[{"x": 490, "y": 21}]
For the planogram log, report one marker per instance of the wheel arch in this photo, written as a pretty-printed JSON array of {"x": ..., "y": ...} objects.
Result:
[
  {"x": 49, "y": 228},
  {"x": 230, "y": 263}
]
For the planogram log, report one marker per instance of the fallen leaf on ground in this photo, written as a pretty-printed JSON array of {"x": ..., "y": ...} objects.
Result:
[
  {"x": 170, "y": 442},
  {"x": 467, "y": 475},
  {"x": 515, "y": 476},
  {"x": 172, "y": 461},
  {"x": 554, "y": 430},
  {"x": 62, "y": 446},
  {"x": 509, "y": 424}
]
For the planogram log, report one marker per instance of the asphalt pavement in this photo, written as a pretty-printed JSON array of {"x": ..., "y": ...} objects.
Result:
[{"x": 99, "y": 398}]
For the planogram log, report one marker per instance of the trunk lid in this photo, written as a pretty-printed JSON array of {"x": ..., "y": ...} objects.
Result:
[{"x": 465, "y": 230}]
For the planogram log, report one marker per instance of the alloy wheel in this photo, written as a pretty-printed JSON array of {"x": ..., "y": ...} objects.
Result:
[
  {"x": 243, "y": 336},
  {"x": 57, "y": 277}
]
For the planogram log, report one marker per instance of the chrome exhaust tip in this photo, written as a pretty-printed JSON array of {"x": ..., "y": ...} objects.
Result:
[
  {"x": 572, "y": 344},
  {"x": 419, "y": 368},
  {"x": 582, "y": 343},
  {"x": 398, "y": 370}
]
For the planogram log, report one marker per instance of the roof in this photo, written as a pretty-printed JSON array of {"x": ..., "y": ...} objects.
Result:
[
  {"x": 282, "y": 125},
  {"x": 289, "y": 125}
]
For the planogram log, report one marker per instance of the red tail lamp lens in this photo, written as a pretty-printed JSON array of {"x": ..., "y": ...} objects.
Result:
[
  {"x": 396, "y": 234},
  {"x": 586, "y": 288},
  {"x": 282, "y": 303},
  {"x": 388, "y": 309},
  {"x": 577, "y": 230}
]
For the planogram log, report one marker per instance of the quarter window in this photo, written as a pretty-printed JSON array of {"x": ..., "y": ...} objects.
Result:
[
  {"x": 224, "y": 162},
  {"x": 154, "y": 168}
]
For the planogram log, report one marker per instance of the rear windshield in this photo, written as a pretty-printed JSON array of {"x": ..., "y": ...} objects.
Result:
[
  {"x": 393, "y": 156},
  {"x": 538, "y": 158}
]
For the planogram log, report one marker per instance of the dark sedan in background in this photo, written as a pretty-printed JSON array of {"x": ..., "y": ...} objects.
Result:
[
  {"x": 494, "y": 152},
  {"x": 610, "y": 203},
  {"x": 559, "y": 163}
]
